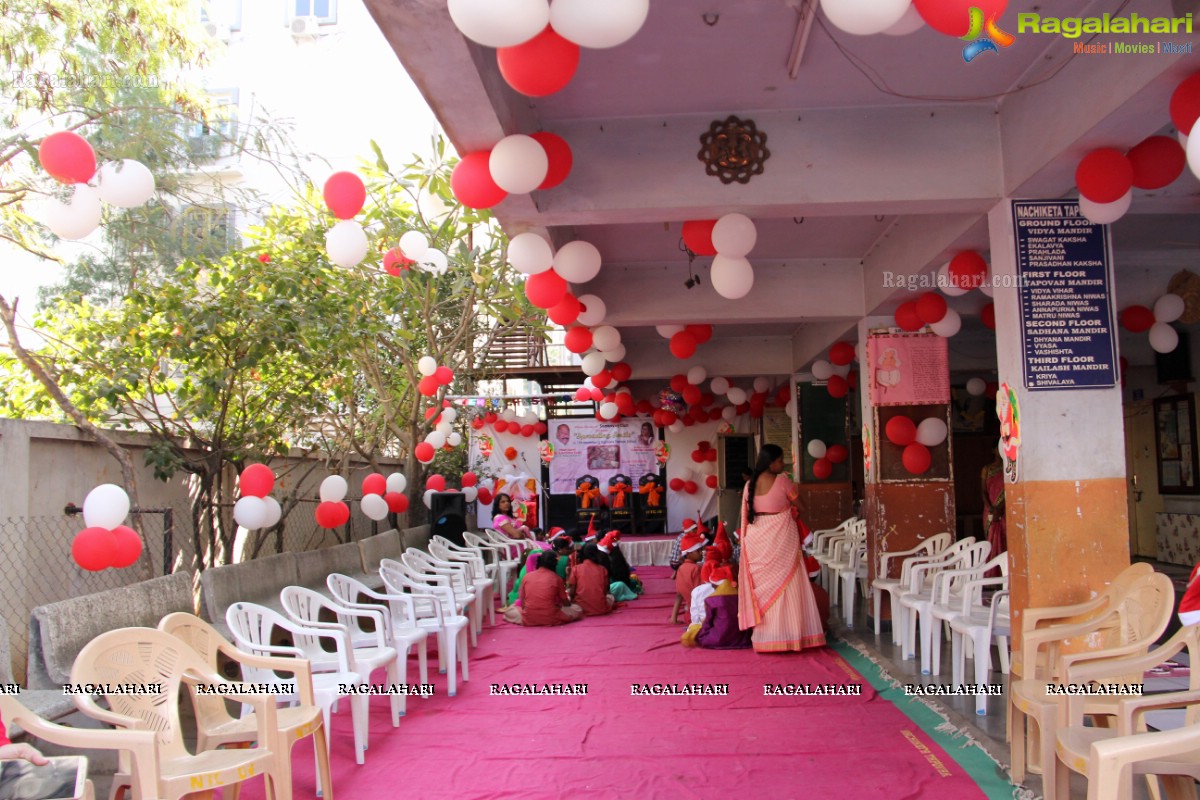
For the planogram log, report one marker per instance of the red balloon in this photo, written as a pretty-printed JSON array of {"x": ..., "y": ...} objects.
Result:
[
  {"x": 527, "y": 430},
  {"x": 578, "y": 340},
  {"x": 127, "y": 546},
  {"x": 469, "y": 479},
  {"x": 840, "y": 354},
  {"x": 424, "y": 452},
  {"x": 93, "y": 549},
  {"x": 675, "y": 484},
  {"x": 707, "y": 399},
  {"x": 541, "y": 66},
  {"x": 444, "y": 376},
  {"x": 710, "y": 455},
  {"x": 714, "y": 415},
  {"x": 916, "y": 458},
  {"x": 906, "y": 317},
  {"x": 68, "y": 158},
  {"x": 538, "y": 428},
  {"x": 669, "y": 418},
  {"x": 988, "y": 316},
  {"x": 683, "y": 345},
  {"x": 1157, "y": 161},
  {"x": 679, "y": 383},
  {"x": 701, "y": 333},
  {"x": 583, "y": 394},
  {"x": 690, "y": 487},
  {"x": 436, "y": 482},
  {"x": 395, "y": 262},
  {"x": 643, "y": 406},
  {"x": 967, "y": 270},
  {"x": 256, "y": 480},
  {"x": 1137, "y": 319},
  {"x": 565, "y": 311},
  {"x": 1104, "y": 175},
  {"x": 597, "y": 394},
  {"x": 691, "y": 395},
  {"x": 822, "y": 468},
  {"x": 545, "y": 289},
  {"x": 431, "y": 412},
  {"x": 477, "y": 423},
  {"x": 703, "y": 446},
  {"x": 621, "y": 372},
  {"x": 428, "y": 386},
  {"x": 510, "y": 453},
  {"x": 953, "y": 17},
  {"x": 558, "y": 152},
  {"x": 697, "y": 236},
  {"x": 852, "y": 379},
  {"x": 397, "y": 503},
  {"x": 901, "y": 431},
  {"x": 374, "y": 484},
  {"x": 472, "y": 184},
  {"x": 625, "y": 404},
  {"x": 711, "y": 481},
  {"x": 345, "y": 194},
  {"x": 931, "y": 308},
  {"x": 836, "y": 453},
  {"x": 1185, "y": 104},
  {"x": 837, "y": 386},
  {"x": 602, "y": 379},
  {"x": 697, "y": 456},
  {"x": 327, "y": 514},
  {"x": 264, "y": 258},
  {"x": 485, "y": 496}
]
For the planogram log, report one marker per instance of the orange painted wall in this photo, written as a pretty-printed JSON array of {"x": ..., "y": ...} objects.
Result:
[
  {"x": 826, "y": 505},
  {"x": 900, "y": 515}
]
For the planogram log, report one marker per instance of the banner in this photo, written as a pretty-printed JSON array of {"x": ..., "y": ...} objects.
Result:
[
  {"x": 908, "y": 369},
  {"x": 603, "y": 450}
]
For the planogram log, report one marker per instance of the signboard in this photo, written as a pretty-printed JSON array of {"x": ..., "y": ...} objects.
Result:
[
  {"x": 1064, "y": 276},
  {"x": 602, "y": 450},
  {"x": 908, "y": 369},
  {"x": 777, "y": 429}
]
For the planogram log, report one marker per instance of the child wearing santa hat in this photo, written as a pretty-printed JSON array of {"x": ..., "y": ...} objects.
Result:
[
  {"x": 689, "y": 526},
  {"x": 687, "y": 577},
  {"x": 712, "y": 560},
  {"x": 720, "y": 630},
  {"x": 624, "y": 585},
  {"x": 589, "y": 581}
]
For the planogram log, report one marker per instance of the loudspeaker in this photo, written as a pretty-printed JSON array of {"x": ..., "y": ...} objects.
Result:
[
  {"x": 1176, "y": 365},
  {"x": 448, "y": 516}
]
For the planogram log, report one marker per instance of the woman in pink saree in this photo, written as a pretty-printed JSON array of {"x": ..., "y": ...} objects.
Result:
[{"x": 776, "y": 598}]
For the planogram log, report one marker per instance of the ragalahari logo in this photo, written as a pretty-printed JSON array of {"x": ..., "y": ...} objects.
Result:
[{"x": 979, "y": 43}]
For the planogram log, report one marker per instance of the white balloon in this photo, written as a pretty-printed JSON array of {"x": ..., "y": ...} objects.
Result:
[
  {"x": 1163, "y": 338},
  {"x": 333, "y": 489},
  {"x": 615, "y": 354},
  {"x": 454, "y": 439},
  {"x": 106, "y": 506},
  {"x": 790, "y": 408},
  {"x": 609, "y": 410},
  {"x": 606, "y": 337},
  {"x": 946, "y": 285},
  {"x": 1168, "y": 308},
  {"x": 443, "y": 427},
  {"x": 696, "y": 375},
  {"x": 530, "y": 254},
  {"x": 976, "y": 386},
  {"x": 948, "y": 325},
  {"x": 719, "y": 386},
  {"x": 396, "y": 482},
  {"x": 509, "y": 415},
  {"x": 593, "y": 364},
  {"x": 577, "y": 262},
  {"x": 470, "y": 493},
  {"x": 346, "y": 243},
  {"x": 761, "y": 384},
  {"x": 734, "y": 235},
  {"x": 449, "y": 414},
  {"x": 436, "y": 438},
  {"x": 500, "y": 23},
  {"x": 594, "y": 311},
  {"x": 125, "y": 183},
  {"x": 374, "y": 507},
  {"x": 427, "y": 365},
  {"x": 624, "y": 390},
  {"x": 250, "y": 513},
  {"x": 732, "y": 277},
  {"x": 865, "y": 17},
  {"x": 413, "y": 244},
  {"x": 435, "y": 261},
  {"x": 274, "y": 512},
  {"x": 909, "y": 23},
  {"x": 76, "y": 218},
  {"x": 932, "y": 431},
  {"x": 588, "y": 23},
  {"x": 667, "y": 331},
  {"x": 1192, "y": 148},
  {"x": 518, "y": 163},
  {"x": 1105, "y": 213},
  {"x": 427, "y": 498},
  {"x": 728, "y": 413},
  {"x": 822, "y": 370},
  {"x": 675, "y": 427},
  {"x": 736, "y": 395},
  {"x": 817, "y": 448}
]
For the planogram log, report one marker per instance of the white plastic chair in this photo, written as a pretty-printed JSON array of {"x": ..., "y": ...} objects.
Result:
[
  {"x": 399, "y": 623},
  {"x": 899, "y": 610},
  {"x": 920, "y": 595},
  {"x": 448, "y": 551},
  {"x": 849, "y": 577},
  {"x": 844, "y": 549},
  {"x": 883, "y": 584},
  {"x": 368, "y": 649},
  {"x": 981, "y": 623},
  {"x": 823, "y": 546},
  {"x": 515, "y": 548},
  {"x": 252, "y": 625},
  {"x": 467, "y": 598},
  {"x": 948, "y": 588},
  {"x": 502, "y": 566},
  {"x": 437, "y": 612}
]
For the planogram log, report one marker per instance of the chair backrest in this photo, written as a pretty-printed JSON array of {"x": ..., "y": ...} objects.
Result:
[
  {"x": 207, "y": 643},
  {"x": 948, "y": 558},
  {"x": 399, "y": 579},
  {"x": 1146, "y": 609},
  {"x": 252, "y": 626}
]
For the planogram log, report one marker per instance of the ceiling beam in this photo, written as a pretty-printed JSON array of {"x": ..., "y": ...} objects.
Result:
[
  {"x": 908, "y": 248},
  {"x": 740, "y": 357},
  {"x": 811, "y": 340}
]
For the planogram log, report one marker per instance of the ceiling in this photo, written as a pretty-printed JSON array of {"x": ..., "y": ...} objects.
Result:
[{"x": 886, "y": 155}]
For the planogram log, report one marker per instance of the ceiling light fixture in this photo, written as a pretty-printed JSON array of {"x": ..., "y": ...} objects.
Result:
[{"x": 807, "y": 14}]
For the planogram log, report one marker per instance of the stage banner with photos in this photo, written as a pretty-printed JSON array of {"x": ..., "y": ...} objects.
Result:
[{"x": 603, "y": 450}]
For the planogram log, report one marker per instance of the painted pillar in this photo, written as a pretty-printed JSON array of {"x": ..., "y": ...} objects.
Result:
[{"x": 1067, "y": 518}]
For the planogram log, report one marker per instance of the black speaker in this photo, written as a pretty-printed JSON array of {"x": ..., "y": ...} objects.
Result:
[
  {"x": 448, "y": 516},
  {"x": 1176, "y": 365}
]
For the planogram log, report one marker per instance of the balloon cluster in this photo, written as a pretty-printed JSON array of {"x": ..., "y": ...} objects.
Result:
[
  {"x": 704, "y": 452},
  {"x": 825, "y": 456},
  {"x": 332, "y": 511},
  {"x": 684, "y": 339},
  {"x": 836, "y": 372},
  {"x": 916, "y": 440},
  {"x": 1167, "y": 309},
  {"x": 256, "y": 509},
  {"x": 729, "y": 239},
  {"x": 346, "y": 242},
  {"x": 433, "y": 377},
  {"x": 522, "y": 423},
  {"x": 106, "y": 542},
  {"x": 383, "y": 495},
  {"x": 517, "y": 164},
  {"x": 443, "y": 435},
  {"x": 68, "y": 158},
  {"x": 683, "y": 486},
  {"x": 414, "y": 251}
]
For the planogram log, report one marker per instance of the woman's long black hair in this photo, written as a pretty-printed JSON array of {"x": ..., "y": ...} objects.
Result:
[
  {"x": 769, "y": 454},
  {"x": 618, "y": 567},
  {"x": 496, "y": 504},
  {"x": 591, "y": 552}
]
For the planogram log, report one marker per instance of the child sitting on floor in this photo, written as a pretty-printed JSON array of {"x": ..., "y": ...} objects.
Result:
[
  {"x": 589, "y": 583},
  {"x": 622, "y": 584},
  {"x": 687, "y": 577},
  {"x": 543, "y": 597},
  {"x": 696, "y": 609},
  {"x": 720, "y": 630},
  {"x": 689, "y": 526}
]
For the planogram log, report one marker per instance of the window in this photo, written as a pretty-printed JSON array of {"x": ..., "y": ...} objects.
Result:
[
  {"x": 222, "y": 12},
  {"x": 206, "y": 230},
  {"x": 325, "y": 11},
  {"x": 216, "y": 136}
]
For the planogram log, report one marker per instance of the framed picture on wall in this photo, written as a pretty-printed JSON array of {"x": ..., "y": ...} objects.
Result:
[{"x": 1175, "y": 441}]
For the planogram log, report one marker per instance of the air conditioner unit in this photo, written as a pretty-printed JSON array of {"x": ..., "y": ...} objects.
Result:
[
  {"x": 216, "y": 30},
  {"x": 305, "y": 28}
]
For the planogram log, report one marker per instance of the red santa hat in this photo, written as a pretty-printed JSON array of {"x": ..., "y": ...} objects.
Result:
[
  {"x": 1189, "y": 606},
  {"x": 556, "y": 533},
  {"x": 610, "y": 539},
  {"x": 721, "y": 542},
  {"x": 691, "y": 542},
  {"x": 689, "y": 524},
  {"x": 721, "y": 574},
  {"x": 591, "y": 531},
  {"x": 812, "y": 566},
  {"x": 704, "y": 531}
]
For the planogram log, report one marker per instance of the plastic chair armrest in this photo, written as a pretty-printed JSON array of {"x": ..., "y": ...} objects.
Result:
[
  {"x": 1128, "y": 711},
  {"x": 1032, "y": 617}
]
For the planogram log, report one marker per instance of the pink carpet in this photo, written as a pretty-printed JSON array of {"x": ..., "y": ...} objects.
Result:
[{"x": 480, "y": 746}]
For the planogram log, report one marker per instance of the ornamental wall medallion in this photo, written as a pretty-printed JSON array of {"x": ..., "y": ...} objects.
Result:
[{"x": 734, "y": 150}]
